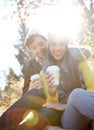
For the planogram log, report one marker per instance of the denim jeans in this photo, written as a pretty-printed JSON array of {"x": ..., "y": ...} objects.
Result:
[{"x": 79, "y": 111}]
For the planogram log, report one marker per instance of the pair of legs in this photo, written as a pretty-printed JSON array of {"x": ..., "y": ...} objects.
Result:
[
  {"x": 79, "y": 112},
  {"x": 27, "y": 101},
  {"x": 32, "y": 100}
]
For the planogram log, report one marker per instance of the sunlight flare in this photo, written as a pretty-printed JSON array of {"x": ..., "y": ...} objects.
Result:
[{"x": 59, "y": 18}]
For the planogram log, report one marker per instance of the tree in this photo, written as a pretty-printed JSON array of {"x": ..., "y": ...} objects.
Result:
[
  {"x": 26, "y": 8},
  {"x": 88, "y": 39},
  {"x": 23, "y": 54},
  {"x": 89, "y": 12},
  {"x": 13, "y": 89}
]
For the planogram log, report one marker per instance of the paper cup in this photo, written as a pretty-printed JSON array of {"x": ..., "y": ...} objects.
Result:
[
  {"x": 54, "y": 70},
  {"x": 35, "y": 76}
]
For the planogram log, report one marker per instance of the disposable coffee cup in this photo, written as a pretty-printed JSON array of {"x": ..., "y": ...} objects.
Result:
[
  {"x": 54, "y": 70},
  {"x": 35, "y": 76}
]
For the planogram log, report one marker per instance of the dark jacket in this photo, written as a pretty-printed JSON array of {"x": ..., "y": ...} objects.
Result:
[{"x": 31, "y": 67}]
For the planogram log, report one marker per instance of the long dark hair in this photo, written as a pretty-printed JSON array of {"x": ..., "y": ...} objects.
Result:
[{"x": 72, "y": 66}]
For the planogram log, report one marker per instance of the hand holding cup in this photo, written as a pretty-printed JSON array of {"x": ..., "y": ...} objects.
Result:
[
  {"x": 52, "y": 77},
  {"x": 54, "y": 71},
  {"x": 35, "y": 82}
]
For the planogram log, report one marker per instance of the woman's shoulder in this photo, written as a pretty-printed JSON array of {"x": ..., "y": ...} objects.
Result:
[{"x": 80, "y": 52}]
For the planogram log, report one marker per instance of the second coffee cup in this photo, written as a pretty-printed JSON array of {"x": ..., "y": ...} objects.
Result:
[{"x": 54, "y": 70}]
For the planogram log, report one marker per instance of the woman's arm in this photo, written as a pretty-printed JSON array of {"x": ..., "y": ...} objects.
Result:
[
  {"x": 48, "y": 87},
  {"x": 86, "y": 70},
  {"x": 56, "y": 106},
  {"x": 80, "y": 52}
]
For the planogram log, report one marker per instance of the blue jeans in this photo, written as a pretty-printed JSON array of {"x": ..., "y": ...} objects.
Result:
[{"x": 79, "y": 111}]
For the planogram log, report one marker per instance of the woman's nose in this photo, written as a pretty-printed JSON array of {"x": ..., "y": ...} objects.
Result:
[{"x": 57, "y": 47}]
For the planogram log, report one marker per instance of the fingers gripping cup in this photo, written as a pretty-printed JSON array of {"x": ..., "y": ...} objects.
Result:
[
  {"x": 54, "y": 70},
  {"x": 33, "y": 77}
]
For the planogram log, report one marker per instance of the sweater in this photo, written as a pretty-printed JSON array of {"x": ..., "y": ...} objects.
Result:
[
  {"x": 87, "y": 70},
  {"x": 49, "y": 98}
]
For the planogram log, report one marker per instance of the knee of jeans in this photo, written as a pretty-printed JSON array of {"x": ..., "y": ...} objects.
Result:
[
  {"x": 74, "y": 95},
  {"x": 93, "y": 125}
]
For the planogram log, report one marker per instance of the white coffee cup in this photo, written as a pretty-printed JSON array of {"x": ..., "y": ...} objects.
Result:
[
  {"x": 35, "y": 76},
  {"x": 54, "y": 70}
]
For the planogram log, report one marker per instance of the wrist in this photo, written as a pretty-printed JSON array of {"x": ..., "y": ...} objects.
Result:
[{"x": 52, "y": 93}]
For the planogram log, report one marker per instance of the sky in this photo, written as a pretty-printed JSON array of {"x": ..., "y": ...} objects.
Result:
[
  {"x": 8, "y": 37},
  {"x": 7, "y": 51},
  {"x": 46, "y": 19}
]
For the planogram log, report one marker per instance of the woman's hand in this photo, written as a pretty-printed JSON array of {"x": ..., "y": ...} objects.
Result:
[
  {"x": 50, "y": 83},
  {"x": 35, "y": 83},
  {"x": 56, "y": 106}
]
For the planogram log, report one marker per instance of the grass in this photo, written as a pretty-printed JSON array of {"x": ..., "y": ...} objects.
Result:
[{"x": 2, "y": 109}]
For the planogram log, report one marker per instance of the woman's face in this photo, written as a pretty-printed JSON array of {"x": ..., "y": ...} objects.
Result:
[
  {"x": 39, "y": 47},
  {"x": 57, "y": 48}
]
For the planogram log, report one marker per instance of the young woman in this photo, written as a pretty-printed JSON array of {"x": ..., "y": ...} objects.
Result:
[
  {"x": 79, "y": 112},
  {"x": 59, "y": 54}
]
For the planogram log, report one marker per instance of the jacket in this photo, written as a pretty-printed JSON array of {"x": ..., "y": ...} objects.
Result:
[{"x": 32, "y": 67}]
